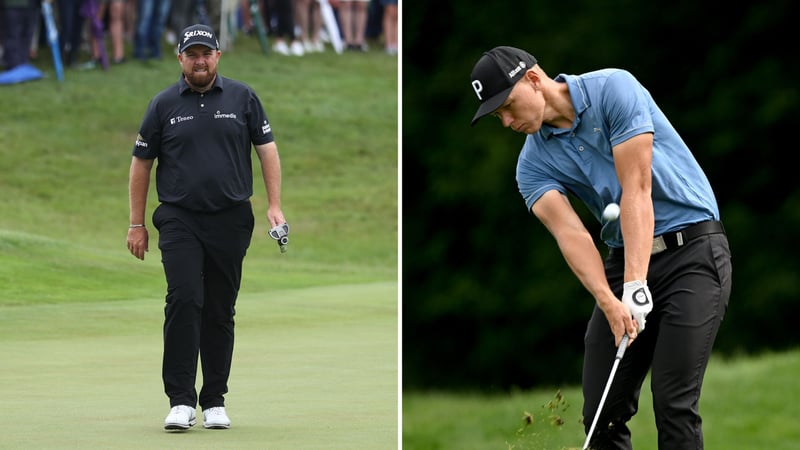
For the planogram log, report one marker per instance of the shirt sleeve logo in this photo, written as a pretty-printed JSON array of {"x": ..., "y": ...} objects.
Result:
[
  {"x": 265, "y": 128},
  {"x": 140, "y": 142}
]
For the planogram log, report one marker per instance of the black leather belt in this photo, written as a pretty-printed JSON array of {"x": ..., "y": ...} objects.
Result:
[{"x": 675, "y": 239}]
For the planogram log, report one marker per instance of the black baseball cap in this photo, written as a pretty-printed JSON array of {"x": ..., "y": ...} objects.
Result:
[
  {"x": 495, "y": 74},
  {"x": 198, "y": 34}
]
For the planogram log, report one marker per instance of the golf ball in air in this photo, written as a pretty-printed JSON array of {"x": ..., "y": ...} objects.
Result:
[{"x": 611, "y": 212}]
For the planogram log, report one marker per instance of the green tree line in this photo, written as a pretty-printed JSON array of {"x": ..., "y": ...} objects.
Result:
[{"x": 487, "y": 300}]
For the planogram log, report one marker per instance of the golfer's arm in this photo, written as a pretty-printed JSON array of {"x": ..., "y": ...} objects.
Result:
[
  {"x": 271, "y": 172},
  {"x": 576, "y": 244},
  {"x": 138, "y": 184},
  {"x": 633, "y": 160}
]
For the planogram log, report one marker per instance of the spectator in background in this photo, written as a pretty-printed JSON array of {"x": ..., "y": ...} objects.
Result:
[
  {"x": 213, "y": 13},
  {"x": 247, "y": 17},
  {"x": 181, "y": 15},
  {"x": 353, "y": 16},
  {"x": 18, "y": 19},
  {"x": 70, "y": 30},
  {"x": 309, "y": 20},
  {"x": 266, "y": 14},
  {"x": 374, "y": 28},
  {"x": 129, "y": 25},
  {"x": 390, "y": 26},
  {"x": 116, "y": 10},
  {"x": 286, "y": 42},
  {"x": 151, "y": 18},
  {"x": 248, "y": 21}
]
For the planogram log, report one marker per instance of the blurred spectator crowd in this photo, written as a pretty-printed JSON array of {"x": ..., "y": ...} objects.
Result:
[{"x": 93, "y": 33}]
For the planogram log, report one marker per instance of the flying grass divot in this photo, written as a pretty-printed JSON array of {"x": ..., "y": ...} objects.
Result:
[{"x": 551, "y": 415}]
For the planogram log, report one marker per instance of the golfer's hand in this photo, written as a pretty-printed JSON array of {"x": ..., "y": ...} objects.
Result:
[
  {"x": 636, "y": 296},
  {"x": 275, "y": 217},
  {"x": 619, "y": 319},
  {"x": 137, "y": 241}
]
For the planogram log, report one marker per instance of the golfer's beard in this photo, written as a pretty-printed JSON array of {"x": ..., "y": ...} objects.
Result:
[{"x": 200, "y": 79}]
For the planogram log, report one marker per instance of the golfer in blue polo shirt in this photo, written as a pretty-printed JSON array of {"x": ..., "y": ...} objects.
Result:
[
  {"x": 601, "y": 138},
  {"x": 201, "y": 130}
]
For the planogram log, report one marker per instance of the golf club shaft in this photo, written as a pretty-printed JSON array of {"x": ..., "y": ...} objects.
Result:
[{"x": 623, "y": 344}]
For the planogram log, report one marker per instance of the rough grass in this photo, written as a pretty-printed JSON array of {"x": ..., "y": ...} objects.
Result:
[
  {"x": 65, "y": 151},
  {"x": 746, "y": 404}
]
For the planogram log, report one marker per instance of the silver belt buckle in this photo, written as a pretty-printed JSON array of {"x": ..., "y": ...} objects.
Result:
[{"x": 658, "y": 245}]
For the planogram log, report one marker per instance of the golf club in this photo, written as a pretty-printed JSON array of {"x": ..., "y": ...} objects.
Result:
[
  {"x": 281, "y": 234},
  {"x": 623, "y": 344}
]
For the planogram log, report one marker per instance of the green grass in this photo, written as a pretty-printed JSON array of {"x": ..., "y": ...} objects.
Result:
[
  {"x": 747, "y": 404},
  {"x": 65, "y": 151},
  {"x": 313, "y": 368},
  {"x": 315, "y": 364}
]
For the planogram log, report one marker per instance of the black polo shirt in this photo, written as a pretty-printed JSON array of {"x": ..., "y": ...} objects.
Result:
[{"x": 203, "y": 143}]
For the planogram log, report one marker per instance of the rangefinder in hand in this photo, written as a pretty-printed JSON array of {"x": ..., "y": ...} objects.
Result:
[
  {"x": 636, "y": 295},
  {"x": 281, "y": 234}
]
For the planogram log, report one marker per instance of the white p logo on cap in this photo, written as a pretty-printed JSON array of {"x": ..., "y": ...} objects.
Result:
[
  {"x": 478, "y": 87},
  {"x": 495, "y": 74}
]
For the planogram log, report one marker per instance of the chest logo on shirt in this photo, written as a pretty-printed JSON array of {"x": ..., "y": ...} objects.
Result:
[
  {"x": 221, "y": 115},
  {"x": 179, "y": 119}
]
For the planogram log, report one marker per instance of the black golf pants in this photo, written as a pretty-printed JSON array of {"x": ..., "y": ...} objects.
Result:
[
  {"x": 690, "y": 286},
  {"x": 202, "y": 254}
]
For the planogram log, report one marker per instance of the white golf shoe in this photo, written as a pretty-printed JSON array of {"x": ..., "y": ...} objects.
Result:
[
  {"x": 216, "y": 418},
  {"x": 180, "y": 417}
]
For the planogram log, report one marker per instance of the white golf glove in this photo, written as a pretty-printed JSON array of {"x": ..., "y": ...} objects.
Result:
[{"x": 636, "y": 296}]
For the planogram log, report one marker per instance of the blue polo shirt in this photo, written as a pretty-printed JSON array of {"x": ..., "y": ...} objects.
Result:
[
  {"x": 611, "y": 106},
  {"x": 203, "y": 143}
]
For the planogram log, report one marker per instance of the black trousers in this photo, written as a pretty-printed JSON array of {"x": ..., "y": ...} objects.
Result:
[
  {"x": 71, "y": 24},
  {"x": 283, "y": 11},
  {"x": 202, "y": 254},
  {"x": 17, "y": 26},
  {"x": 690, "y": 286}
]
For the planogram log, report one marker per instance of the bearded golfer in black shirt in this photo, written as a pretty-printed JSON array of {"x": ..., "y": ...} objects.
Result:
[{"x": 201, "y": 129}]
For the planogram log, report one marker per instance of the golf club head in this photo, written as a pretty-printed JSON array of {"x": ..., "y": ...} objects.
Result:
[{"x": 281, "y": 234}]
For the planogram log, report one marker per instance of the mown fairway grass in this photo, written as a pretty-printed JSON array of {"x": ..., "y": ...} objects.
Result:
[
  {"x": 315, "y": 364},
  {"x": 313, "y": 368},
  {"x": 747, "y": 404}
]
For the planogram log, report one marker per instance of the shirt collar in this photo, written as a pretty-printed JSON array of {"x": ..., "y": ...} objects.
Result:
[{"x": 580, "y": 102}]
